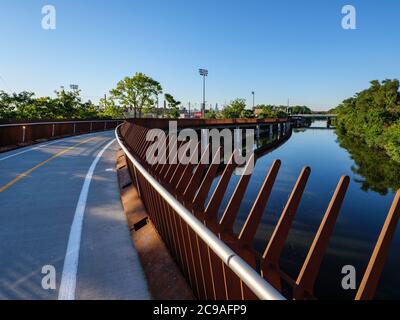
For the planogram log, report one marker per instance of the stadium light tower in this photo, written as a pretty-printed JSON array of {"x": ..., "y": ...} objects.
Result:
[{"x": 204, "y": 74}]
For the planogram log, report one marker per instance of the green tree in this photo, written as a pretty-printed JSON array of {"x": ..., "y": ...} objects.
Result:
[
  {"x": 109, "y": 110},
  {"x": 247, "y": 114},
  {"x": 271, "y": 112},
  {"x": 137, "y": 93},
  {"x": 211, "y": 114},
  {"x": 392, "y": 141},
  {"x": 300, "y": 110},
  {"x": 372, "y": 115},
  {"x": 68, "y": 104},
  {"x": 173, "y": 106},
  {"x": 235, "y": 109}
]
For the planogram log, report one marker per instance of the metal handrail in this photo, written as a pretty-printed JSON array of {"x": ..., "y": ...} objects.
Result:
[
  {"x": 56, "y": 122},
  {"x": 260, "y": 287}
]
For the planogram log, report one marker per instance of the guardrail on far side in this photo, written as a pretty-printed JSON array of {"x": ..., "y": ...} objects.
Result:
[{"x": 20, "y": 134}]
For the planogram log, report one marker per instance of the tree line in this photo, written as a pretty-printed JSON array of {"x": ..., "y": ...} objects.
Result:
[
  {"x": 238, "y": 109},
  {"x": 135, "y": 96},
  {"x": 373, "y": 116}
]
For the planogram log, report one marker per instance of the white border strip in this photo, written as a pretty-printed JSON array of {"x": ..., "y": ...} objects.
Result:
[
  {"x": 63, "y": 122},
  {"x": 69, "y": 275},
  {"x": 30, "y": 149},
  {"x": 261, "y": 288},
  {"x": 66, "y": 139}
]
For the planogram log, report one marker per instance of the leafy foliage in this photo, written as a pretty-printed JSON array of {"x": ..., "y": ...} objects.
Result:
[
  {"x": 173, "y": 106},
  {"x": 373, "y": 116},
  {"x": 235, "y": 110},
  {"x": 137, "y": 93},
  {"x": 300, "y": 110},
  {"x": 66, "y": 105},
  {"x": 270, "y": 111}
]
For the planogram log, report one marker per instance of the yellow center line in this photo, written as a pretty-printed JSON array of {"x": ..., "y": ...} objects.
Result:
[{"x": 28, "y": 172}]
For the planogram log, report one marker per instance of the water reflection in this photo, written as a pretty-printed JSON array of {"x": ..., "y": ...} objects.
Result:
[
  {"x": 371, "y": 192},
  {"x": 376, "y": 171}
]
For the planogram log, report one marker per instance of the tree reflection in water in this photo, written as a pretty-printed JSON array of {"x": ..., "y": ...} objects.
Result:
[{"x": 376, "y": 170}]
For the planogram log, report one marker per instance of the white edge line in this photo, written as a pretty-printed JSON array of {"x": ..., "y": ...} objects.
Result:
[
  {"x": 28, "y": 150},
  {"x": 69, "y": 274},
  {"x": 47, "y": 144}
]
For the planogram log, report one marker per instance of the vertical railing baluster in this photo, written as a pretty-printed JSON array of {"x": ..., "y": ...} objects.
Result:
[
  {"x": 308, "y": 274},
  {"x": 375, "y": 266},
  {"x": 272, "y": 254}
]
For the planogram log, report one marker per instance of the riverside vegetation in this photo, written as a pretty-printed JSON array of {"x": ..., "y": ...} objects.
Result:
[{"x": 373, "y": 117}]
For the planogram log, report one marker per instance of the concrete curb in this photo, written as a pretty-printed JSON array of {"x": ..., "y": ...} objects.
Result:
[{"x": 165, "y": 280}]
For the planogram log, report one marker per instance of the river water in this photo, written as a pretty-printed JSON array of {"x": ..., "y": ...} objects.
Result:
[{"x": 374, "y": 179}]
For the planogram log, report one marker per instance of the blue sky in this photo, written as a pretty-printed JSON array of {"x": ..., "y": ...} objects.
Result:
[{"x": 282, "y": 50}]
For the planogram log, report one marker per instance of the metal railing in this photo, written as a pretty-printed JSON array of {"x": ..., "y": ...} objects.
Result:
[
  {"x": 14, "y": 134},
  {"x": 161, "y": 197},
  {"x": 217, "y": 263}
]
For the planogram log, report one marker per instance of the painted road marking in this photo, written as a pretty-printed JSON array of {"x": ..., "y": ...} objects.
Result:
[
  {"x": 45, "y": 145},
  {"x": 28, "y": 150},
  {"x": 70, "y": 269},
  {"x": 28, "y": 172}
]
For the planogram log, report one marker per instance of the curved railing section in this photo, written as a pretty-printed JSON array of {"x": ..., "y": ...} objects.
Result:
[
  {"x": 213, "y": 269},
  {"x": 219, "y": 264},
  {"x": 24, "y": 133}
]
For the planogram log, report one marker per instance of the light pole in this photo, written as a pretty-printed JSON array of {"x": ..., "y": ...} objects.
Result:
[
  {"x": 204, "y": 74},
  {"x": 254, "y": 99}
]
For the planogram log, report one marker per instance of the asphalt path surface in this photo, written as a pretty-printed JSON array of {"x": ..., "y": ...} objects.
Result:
[{"x": 63, "y": 232}]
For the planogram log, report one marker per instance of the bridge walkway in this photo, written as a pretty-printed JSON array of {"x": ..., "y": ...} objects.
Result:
[{"x": 60, "y": 207}]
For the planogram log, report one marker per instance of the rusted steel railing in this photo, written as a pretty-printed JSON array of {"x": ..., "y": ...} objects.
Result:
[
  {"x": 217, "y": 263},
  {"x": 14, "y": 134}
]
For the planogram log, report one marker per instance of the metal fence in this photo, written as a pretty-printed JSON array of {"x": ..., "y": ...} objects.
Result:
[
  {"x": 15, "y": 134},
  {"x": 217, "y": 263}
]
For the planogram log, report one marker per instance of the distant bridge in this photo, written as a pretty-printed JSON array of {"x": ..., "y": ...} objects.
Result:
[
  {"x": 314, "y": 116},
  {"x": 300, "y": 120}
]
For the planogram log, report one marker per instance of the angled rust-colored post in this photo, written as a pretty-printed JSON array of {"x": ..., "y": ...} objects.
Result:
[
  {"x": 144, "y": 144},
  {"x": 195, "y": 181},
  {"x": 373, "y": 273},
  {"x": 171, "y": 170},
  {"x": 220, "y": 190},
  {"x": 206, "y": 184},
  {"x": 163, "y": 142},
  {"x": 253, "y": 220},
  {"x": 233, "y": 283},
  {"x": 148, "y": 148},
  {"x": 272, "y": 254},
  {"x": 188, "y": 172},
  {"x": 180, "y": 169},
  {"x": 228, "y": 219},
  {"x": 309, "y": 272},
  {"x": 136, "y": 144}
]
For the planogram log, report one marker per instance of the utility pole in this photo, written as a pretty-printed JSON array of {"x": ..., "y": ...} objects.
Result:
[
  {"x": 157, "y": 106},
  {"x": 204, "y": 74}
]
